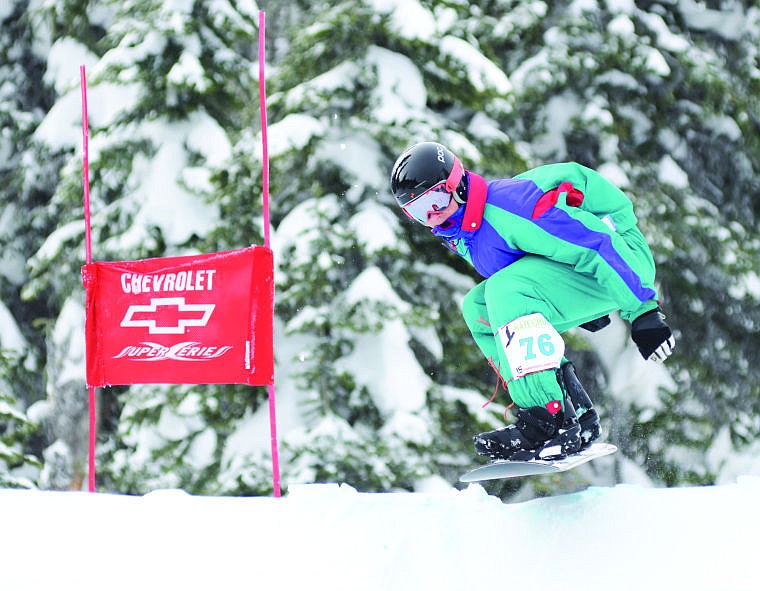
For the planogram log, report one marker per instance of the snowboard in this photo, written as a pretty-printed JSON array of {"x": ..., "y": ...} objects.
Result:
[{"x": 513, "y": 469}]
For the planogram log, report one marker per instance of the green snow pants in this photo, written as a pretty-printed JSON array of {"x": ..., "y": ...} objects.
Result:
[{"x": 533, "y": 284}]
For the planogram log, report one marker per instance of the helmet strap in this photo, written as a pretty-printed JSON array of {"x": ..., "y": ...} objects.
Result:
[
  {"x": 455, "y": 176},
  {"x": 460, "y": 192}
]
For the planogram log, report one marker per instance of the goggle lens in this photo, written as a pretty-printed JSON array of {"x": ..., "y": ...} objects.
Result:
[{"x": 434, "y": 199}]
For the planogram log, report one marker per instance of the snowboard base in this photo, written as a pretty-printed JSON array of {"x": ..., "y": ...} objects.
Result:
[{"x": 514, "y": 469}]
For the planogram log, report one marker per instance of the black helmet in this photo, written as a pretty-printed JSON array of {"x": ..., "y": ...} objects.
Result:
[{"x": 423, "y": 166}]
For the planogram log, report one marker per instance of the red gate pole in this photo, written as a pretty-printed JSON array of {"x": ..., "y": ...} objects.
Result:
[
  {"x": 267, "y": 242},
  {"x": 88, "y": 256}
]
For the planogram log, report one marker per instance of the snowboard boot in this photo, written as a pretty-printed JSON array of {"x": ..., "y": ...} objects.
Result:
[
  {"x": 540, "y": 432},
  {"x": 588, "y": 419}
]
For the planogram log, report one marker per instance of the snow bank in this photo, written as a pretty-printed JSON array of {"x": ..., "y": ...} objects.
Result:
[{"x": 326, "y": 536}]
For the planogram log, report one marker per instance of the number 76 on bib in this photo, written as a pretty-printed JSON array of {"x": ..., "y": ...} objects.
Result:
[{"x": 531, "y": 344}]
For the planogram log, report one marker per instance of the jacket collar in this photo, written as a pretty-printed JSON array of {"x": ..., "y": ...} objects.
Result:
[{"x": 476, "y": 202}]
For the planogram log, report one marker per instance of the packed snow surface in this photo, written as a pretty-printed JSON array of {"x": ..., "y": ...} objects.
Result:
[{"x": 329, "y": 536}]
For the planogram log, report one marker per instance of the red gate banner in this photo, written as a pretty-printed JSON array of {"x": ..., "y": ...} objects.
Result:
[{"x": 199, "y": 319}]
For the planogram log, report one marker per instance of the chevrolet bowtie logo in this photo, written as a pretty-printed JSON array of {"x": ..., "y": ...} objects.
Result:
[{"x": 167, "y": 315}]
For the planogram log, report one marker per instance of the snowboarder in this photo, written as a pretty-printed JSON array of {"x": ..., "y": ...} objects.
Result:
[{"x": 559, "y": 247}]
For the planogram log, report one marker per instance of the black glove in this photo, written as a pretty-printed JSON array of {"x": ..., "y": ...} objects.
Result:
[
  {"x": 652, "y": 336},
  {"x": 597, "y": 324}
]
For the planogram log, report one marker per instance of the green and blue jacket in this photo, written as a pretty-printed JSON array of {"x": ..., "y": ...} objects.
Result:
[{"x": 565, "y": 212}]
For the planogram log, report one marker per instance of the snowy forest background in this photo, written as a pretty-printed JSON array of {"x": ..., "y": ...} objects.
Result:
[{"x": 379, "y": 384}]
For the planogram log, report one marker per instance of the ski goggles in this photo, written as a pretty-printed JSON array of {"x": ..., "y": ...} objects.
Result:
[
  {"x": 433, "y": 199},
  {"x": 436, "y": 197}
]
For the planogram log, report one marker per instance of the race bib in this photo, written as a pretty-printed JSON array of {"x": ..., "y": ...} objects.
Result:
[{"x": 531, "y": 344}]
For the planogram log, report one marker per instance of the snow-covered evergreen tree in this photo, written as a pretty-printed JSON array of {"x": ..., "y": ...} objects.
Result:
[
  {"x": 22, "y": 105},
  {"x": 169, "y": 86},
  {"x": 381, "y": 374},
  {"x": 18, "y": 467}
]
